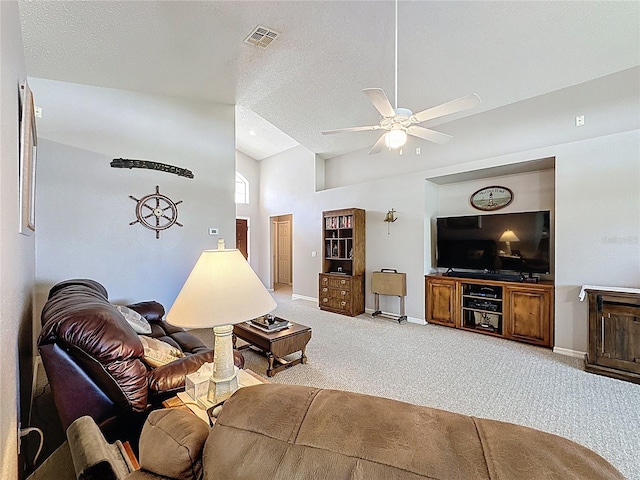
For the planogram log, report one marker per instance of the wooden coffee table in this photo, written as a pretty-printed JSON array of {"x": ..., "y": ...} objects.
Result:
[{"x": 275, "y": 345}]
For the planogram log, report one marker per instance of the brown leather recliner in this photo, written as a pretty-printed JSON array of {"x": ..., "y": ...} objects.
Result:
[{"x": 94, "y": 359}]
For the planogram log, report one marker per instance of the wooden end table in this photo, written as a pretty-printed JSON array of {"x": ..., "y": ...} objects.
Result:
[{"x": 275, "y": 345}]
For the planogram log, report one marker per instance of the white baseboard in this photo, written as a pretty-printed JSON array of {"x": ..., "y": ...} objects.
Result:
[
  {"x": 419, "y": 321},
  {"x": 568, "y": 352},
  {"x": 295, "y": 296}
]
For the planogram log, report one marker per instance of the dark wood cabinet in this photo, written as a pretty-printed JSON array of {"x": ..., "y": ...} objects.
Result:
[
  {"x": 521, "y": 312},
  {"x": 614, "y": 334},
  {"x": 341, "y": 283}
]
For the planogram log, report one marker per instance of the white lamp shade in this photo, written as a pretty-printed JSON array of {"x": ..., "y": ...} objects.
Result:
[
  {"x": 222, "y": 289},
  {"x": 509, "y": 236}
]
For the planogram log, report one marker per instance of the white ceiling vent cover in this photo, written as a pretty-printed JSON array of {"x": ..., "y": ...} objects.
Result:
[{"x": 261, "y": 37}]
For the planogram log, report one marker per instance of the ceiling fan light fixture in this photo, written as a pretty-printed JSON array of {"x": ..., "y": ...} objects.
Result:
[
  {"x": 395, "y": 138},
  {"x": 400, "y": 122}
]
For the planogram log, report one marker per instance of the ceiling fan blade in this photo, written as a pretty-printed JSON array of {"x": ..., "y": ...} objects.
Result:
[
  {"x": 378, "y": 146},
  {"x": 427, "y": 134},
  {"x": 351, "y": 129},
  {"x": 380, "y": 101},
  {"x": 448, "y": 108}
]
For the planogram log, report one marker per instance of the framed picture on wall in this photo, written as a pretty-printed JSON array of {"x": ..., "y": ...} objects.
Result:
[
  {"x": 491, "y": 198},
  {"x": 27, "y": 166}
]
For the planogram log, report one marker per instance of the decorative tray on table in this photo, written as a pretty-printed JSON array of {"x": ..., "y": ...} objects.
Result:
[{"x": 269, "y": 323}]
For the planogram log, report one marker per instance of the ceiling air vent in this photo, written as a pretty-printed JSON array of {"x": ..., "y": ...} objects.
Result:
[{"x": 261, "y": 37}]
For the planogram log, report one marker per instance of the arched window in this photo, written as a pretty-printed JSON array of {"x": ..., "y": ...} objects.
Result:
[{"x": 242, "y": 189}]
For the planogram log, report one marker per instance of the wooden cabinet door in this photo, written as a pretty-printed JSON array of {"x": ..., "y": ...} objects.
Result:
[
  {"x": 441, "y": 301},
  {"x": 618, "y": 342},
  {"x": 529, "y": 315},
  {"x": 242, "y": 228}
]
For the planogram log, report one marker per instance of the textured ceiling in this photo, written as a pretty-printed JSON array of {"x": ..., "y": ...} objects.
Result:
[{"x": 311, "y": 78}]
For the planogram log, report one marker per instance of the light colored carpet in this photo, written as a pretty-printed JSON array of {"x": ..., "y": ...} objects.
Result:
[{"x": 464, "y": 372}]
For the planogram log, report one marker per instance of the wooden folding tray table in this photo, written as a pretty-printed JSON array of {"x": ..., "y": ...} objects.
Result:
[{"x": 389, "y": 282}]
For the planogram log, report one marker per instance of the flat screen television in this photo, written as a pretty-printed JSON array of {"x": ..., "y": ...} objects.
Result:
[{"x": 508, "y": 242}]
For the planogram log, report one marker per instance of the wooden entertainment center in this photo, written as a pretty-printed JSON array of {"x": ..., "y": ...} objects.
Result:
[{"x": 517, "y": 311}]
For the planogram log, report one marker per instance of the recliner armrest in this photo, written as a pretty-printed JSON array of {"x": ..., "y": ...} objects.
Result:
[
  {"x": 93, "y": 457},
  {"x": 170, "y": 378}
]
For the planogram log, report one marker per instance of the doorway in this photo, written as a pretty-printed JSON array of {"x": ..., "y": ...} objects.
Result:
[
  {"x": 242, "y": 236},
  {"x": 281, "y": 254}
]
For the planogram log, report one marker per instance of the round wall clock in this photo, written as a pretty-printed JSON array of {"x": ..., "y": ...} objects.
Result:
[
  {"x": 491, "y": 198},
  {"x": 156, "y": 211}
]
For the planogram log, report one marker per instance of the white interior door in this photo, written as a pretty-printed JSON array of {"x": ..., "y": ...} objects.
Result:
[{"x": 283, "y": 255}]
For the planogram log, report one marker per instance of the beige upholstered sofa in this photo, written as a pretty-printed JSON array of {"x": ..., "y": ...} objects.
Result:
[{"x": 291, "y": 432}]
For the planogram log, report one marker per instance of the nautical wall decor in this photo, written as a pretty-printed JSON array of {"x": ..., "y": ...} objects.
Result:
[
  {"x": 163, "y": 167},
  {"x": 491, "y": 198},
  {"x": 156, "y": 211}
]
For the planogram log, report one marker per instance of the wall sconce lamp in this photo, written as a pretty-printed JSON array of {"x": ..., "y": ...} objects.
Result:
[{"x": 390, "y": 218}]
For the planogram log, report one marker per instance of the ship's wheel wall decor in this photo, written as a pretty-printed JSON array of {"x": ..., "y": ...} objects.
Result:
[{"x": 156, "y": 211}]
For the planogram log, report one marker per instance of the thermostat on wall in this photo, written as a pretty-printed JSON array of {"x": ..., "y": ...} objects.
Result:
[{"x": 213, "y": 231}]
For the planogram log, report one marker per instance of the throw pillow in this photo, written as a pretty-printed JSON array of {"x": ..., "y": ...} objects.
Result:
[
  {"x": 157, "y": 352},
  {"x": 137, "y": 321}
]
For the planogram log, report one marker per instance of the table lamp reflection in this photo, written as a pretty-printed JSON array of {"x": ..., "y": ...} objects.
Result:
[
  {"x": 221, "y": 290},
  {"x": 508, "y": 236}
]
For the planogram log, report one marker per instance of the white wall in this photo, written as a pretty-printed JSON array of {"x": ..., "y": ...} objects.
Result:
[
  {"x": 250, "y": 169},
  {"x": 399, "y": 245},
  {"x": 287, "y": 183},
  {"x": 17, "y": 265},
  {"x": 84, "y": 210},
  {"x": 596, "y": 190},
  {"x": 535, "y": 191},
  {"x": 609, "y": 104},
  {"x": 532, "y": 191},
  {"x": 597, "y": 226}
]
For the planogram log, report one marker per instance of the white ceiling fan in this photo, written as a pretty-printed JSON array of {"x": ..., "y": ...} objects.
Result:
[{"x": 400, "y": 122}]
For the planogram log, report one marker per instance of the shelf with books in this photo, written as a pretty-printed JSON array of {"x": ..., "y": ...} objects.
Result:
[{"x": 342, "y": 277}]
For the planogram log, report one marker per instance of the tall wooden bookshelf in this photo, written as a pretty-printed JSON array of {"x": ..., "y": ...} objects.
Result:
[{"x": 341, "y": 283}]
